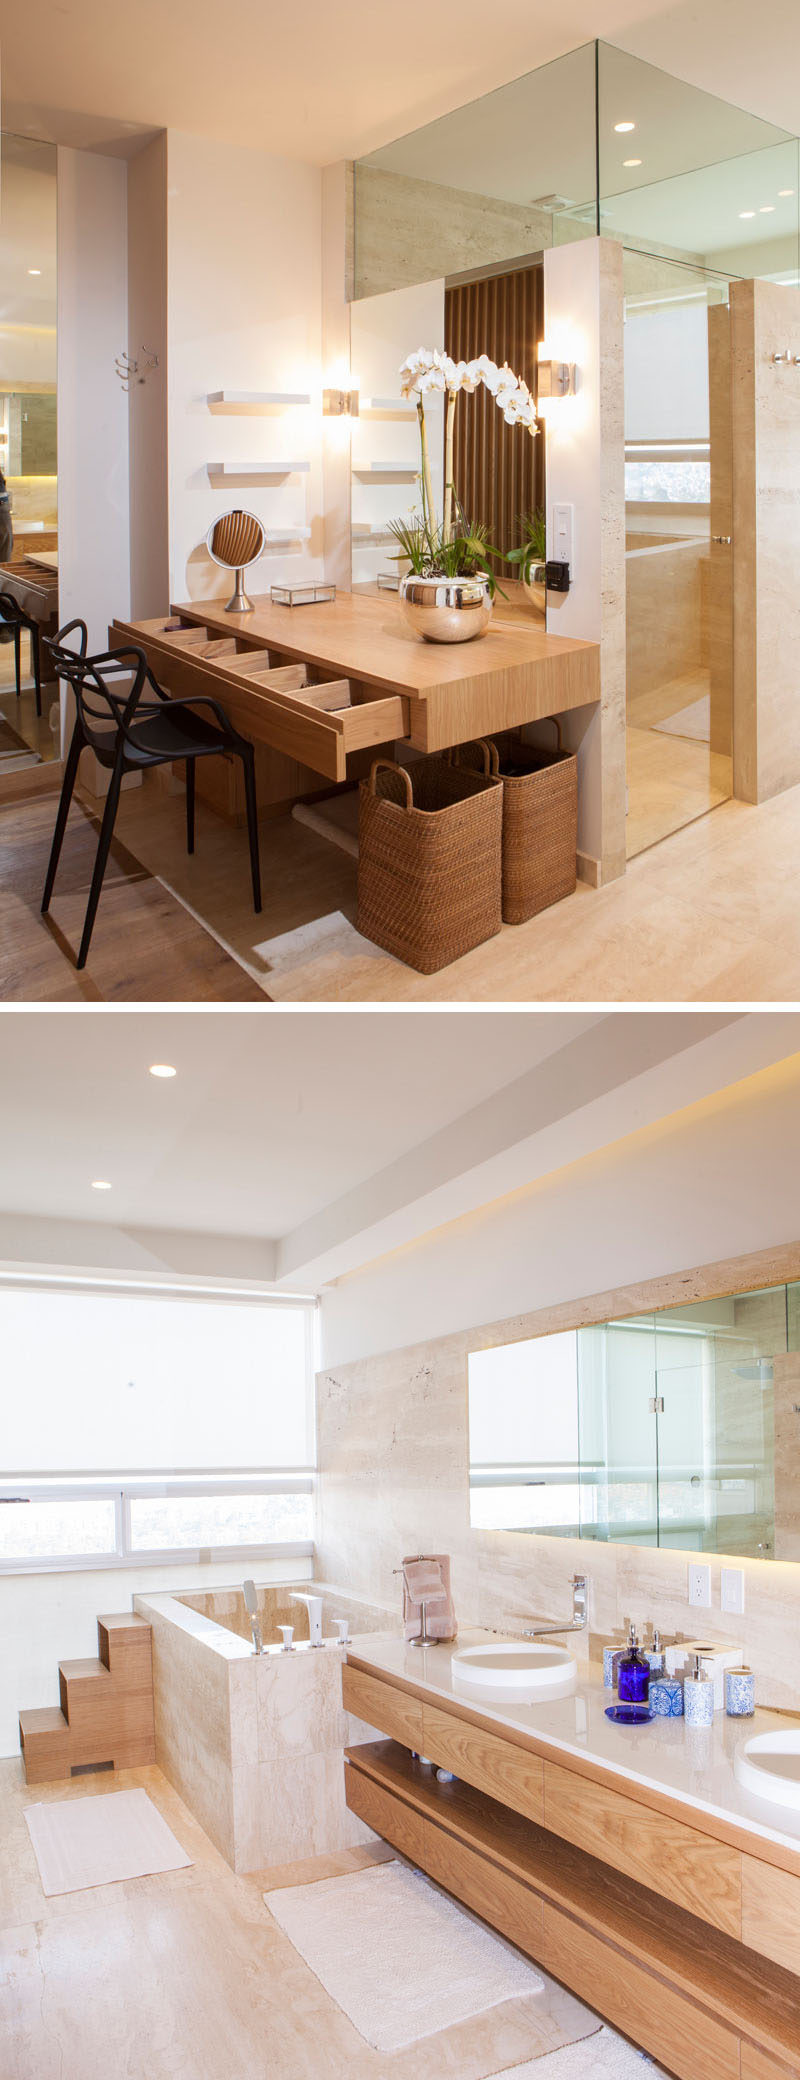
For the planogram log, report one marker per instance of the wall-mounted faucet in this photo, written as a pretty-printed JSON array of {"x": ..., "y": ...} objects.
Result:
[
  {"x": 580, "y": 1613},
  {"x": 251, "y": 1606},
  {"x": 313, "y": 1605}
]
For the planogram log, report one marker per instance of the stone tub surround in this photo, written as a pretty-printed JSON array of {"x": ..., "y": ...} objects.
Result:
[
  {"x": 690, "y": 1764},
  {"x": 254, "y": 1743},
  {"x": 226, "y": 1606}
]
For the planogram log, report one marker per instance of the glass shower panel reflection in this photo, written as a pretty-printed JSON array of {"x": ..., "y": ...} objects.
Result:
[
  {"x": 617, "y": 1432},
  {"x": 678, "y": 565}
]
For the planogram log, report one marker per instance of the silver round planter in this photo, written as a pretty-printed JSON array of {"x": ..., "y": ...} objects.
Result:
[{"x": 447, "y": 610}]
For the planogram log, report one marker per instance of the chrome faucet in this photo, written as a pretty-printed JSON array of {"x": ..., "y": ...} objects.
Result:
[
  {"x": 251, "y": 1606},
  {"x": 580, "y": 1613}
]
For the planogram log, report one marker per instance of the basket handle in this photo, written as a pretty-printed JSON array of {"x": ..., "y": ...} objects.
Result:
[
  {"x": 491, "y": 756},
  {"x": 557, "y": 727},
  {"x": 393, "y": 767}
]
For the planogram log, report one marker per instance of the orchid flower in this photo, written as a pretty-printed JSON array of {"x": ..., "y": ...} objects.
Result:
[{"x": 428, "y": 370}]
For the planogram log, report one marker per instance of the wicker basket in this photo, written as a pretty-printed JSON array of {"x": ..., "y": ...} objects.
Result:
[
  {"x": 429, "y": 860},
  {"x": 540, "y": 819}
]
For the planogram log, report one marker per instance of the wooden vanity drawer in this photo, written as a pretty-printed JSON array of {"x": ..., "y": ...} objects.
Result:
[
  {"x": 510, "y": 1907},
  {"x": 662, "y": 2021},
  {"x": 491, "y": 1764},
  {"x": 756, "y": 2066},
  {"x": 395, "y": 1822},
  {"x": 263, "y": 696},
  {"x": 380, "y": 1705},
  {"x": 681, "y": 1864},
  {"x": 771, "y": 1913}
]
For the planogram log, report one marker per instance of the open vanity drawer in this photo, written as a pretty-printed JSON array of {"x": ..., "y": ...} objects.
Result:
[{"x": 294, "y": 708}]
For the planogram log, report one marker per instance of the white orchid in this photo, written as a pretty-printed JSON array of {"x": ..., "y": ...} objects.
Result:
[{"x": 426, "y": 370}]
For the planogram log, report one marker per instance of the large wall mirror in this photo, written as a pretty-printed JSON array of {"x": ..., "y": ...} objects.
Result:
[{"x": 679, "y": 1428}]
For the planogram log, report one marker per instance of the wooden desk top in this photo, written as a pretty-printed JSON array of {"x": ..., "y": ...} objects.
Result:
[{"x": 369, "y": 640}]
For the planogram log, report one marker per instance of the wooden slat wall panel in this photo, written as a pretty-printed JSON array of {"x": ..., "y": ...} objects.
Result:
[{"x": 499, "y": 470}]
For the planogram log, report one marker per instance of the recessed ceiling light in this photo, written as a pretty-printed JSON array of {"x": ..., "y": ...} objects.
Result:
[
  {"x": 100, "y": 1184},
  {"x": 631, "y": 162},
  {"x": 747, "y": 212},
  {"x": 624, "y": 126},
  {"x": 785, "y": 191},
  {"x": 767, "y": 209},
  {"x": 34, "y": 270},
  {"x": 162, "y": 1069}
]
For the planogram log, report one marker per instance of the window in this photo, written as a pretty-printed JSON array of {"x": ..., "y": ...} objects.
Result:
[{"x": 159, "y": 1422}]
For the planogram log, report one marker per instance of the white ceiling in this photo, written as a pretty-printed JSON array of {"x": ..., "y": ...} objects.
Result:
[
  {"x": 319, "y": 82},
  {"x": 267, "y": 1121}
]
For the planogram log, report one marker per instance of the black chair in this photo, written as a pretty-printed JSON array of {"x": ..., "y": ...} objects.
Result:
[
  {"x": 13, "y": 616},
  {"x": 128, "y": 735}
]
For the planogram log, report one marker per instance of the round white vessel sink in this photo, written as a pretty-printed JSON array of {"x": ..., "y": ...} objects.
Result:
[
  {"x": 769, "y": 1765},
  {"x": 521, "y": 1671}
]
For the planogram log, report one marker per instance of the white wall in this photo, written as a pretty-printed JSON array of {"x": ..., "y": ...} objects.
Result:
[
  {"x": 244, "y": 313},
  {"x": 147, "y": 403},
  {"x": 93, "y": 522},
  {"x": 716, "y": 1179},
  {"x": 47, "y": 1618}
]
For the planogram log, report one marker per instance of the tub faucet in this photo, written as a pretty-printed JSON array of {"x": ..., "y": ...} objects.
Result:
[
  {"x": 580, "y": 1613},
  {"x": 313, "y": 1605},
  {"x": 251, "y": 1606}
]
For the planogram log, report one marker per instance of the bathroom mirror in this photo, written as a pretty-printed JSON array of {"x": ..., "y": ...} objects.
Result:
[
  {"x": 679, "y": 1428},
  {"x": 236, "y": 540}
]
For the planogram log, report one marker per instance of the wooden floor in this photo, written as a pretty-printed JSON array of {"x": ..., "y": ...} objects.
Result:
[
  {"x": 186, "y": 1976},
  {"x": 146, "y": 946}
]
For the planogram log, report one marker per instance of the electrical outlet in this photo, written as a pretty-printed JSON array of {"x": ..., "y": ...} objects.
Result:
[
  {"x": 700, "y": 1585},
  {"x": 732, "y": 1590}
]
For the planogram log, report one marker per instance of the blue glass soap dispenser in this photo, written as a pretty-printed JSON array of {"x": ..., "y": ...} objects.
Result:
[{"x": 633, "y": 1676}]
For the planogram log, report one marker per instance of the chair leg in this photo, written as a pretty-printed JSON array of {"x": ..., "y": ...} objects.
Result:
[
  {"x": 249, "y": 764},
  {"x": 37, "y": 676},
  {"x": 190, "y": 769},
  {"x": 67, "y": 785},
  {"x": 17, "y": 658},
  {"x": 103, "y": 848}
]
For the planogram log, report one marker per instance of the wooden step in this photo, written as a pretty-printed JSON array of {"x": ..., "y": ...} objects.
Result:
[{"x": 45, "y": 1742}]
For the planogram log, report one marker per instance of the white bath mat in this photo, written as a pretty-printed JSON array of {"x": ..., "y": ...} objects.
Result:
[
  {"x": 605, "y": 2056},
  {"x": 397, "y": 1955},
  {"x": 100, "y": 1839},
  {"x": 693, "y": 722}
]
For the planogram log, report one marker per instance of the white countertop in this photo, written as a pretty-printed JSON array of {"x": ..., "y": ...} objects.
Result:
[{"x": 692, "y": 1764}]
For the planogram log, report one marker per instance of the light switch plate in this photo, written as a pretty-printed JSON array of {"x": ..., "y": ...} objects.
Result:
[
  {"x": 699, "y": 1585},
  {"x": 732, "y": 1590},
  {"x": 563, "y": 550}
]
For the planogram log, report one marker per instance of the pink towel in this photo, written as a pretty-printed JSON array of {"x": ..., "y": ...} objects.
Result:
[{"x": 426, "y": 1577}]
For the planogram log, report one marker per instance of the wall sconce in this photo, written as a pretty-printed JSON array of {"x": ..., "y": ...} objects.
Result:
[
  {"x": 554, "y": 379},
  {"x": 340, "y": 404}
]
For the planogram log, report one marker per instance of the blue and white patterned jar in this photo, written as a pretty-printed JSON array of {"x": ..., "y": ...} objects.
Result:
[
  {"x": 698, "y": 1697},
  {"x": 666, "y": 1697},
  {"x": 740, "y": 1693},
  {"x": 611, "y": 1661}
]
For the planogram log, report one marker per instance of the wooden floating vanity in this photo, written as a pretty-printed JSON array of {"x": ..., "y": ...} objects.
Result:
[
  {"x": 680, "y": 1925},
  {"x": 318, "y": 684}
]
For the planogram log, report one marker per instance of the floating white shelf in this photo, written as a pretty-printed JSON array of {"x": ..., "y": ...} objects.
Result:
[
  {"x": 226, "y": 472},
  {"x": 254, "y": 402},
  {"x": 287, "y": 534},
  {"x": 388, "y": 408},
  {"x": 371, "y": 531},
  {"x": 384, "y": 469}
]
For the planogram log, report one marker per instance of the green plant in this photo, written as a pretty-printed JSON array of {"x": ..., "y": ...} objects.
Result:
[
  {"x": 433, "y": 554},
  {"x": 533, "y": 547}
]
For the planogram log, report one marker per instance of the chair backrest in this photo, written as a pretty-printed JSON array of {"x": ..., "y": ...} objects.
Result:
[
  {"x": 103, "y": 709},
  {"x": 10, "y": 610}
]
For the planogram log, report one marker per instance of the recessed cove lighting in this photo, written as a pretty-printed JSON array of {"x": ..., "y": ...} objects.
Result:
[
  {"x": 100, "y": 1184},
  {"x": 162, "y": 1069},
  {"x": 766, "y": 209},
  {"x": 747, "y": 212},
  {"x": 631, "y": 162}
]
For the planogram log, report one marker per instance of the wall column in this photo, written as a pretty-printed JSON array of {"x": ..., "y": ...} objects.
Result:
[{"x": 765, "y": 319}]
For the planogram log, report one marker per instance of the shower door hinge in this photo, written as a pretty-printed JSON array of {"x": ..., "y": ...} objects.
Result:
[{"x": 656, "y": 1404}]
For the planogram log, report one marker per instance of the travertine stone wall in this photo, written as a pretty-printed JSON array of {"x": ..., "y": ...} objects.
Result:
[
  {"x": 765, "y": 319},
  {"x": 393, "y": 1459}
]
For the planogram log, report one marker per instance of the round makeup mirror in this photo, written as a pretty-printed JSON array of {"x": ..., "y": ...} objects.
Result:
[{"x": 236, "y": 540}]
